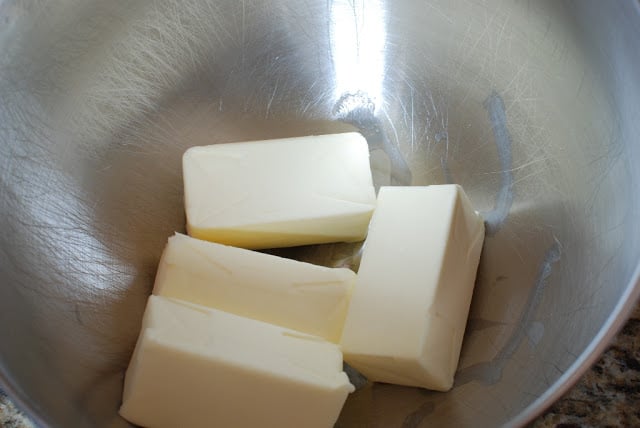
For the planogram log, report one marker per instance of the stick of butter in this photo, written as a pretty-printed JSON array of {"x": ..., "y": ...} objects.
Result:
[
  {"x": 410, "y": 304},
  {"x": 280, "y": 193},
  {"x": 301, "y": 296},
  {"x": 199, "y": 367}
]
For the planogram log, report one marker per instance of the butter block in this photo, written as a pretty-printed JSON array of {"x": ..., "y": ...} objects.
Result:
[
  {"x": 301, "y": 296},
  {"x": 280, "y": 193},
  {"x": 199, "y": 367},
  {"x": 410, "y": 304}
]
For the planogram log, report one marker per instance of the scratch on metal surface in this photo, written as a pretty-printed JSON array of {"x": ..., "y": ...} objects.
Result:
[
  {"x": 439, "y": 11},
  {"x": 271, "y": 98},
  {"x": 495, "y": 218},
  {"x": 413, "y": 136}
]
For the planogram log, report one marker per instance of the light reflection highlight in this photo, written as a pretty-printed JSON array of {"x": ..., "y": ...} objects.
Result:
[{"x": 358, "y": 37}]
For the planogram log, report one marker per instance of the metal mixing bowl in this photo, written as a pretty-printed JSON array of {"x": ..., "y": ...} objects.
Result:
[{"x": 533, "y": 106}]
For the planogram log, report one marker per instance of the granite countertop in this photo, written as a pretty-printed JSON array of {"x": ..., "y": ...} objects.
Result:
[{"x": 607, "y": 395}]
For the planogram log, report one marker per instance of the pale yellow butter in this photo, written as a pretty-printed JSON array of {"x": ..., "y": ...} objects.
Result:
[
  {"x": 301, "y": 296},
  {"x": 200, "y": 367},
  {"x": 410, "y": 304},
  {"x": 280, "y": 193}
]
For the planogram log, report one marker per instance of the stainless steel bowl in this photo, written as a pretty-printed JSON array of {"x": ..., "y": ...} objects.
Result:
[{"x": 534, "y": 107}]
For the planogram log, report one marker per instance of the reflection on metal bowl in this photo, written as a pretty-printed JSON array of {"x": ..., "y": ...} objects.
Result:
[{"x": 533, "y": 107}]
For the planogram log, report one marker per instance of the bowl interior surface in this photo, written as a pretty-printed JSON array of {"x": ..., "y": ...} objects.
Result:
[{"x": 531, "y": 106}]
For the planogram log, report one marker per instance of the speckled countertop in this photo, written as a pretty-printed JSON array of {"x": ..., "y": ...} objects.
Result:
[{"x": 607, "y": 396}]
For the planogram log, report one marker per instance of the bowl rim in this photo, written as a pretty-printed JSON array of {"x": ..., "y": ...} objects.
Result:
[{"x": 618, "y": 317}]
